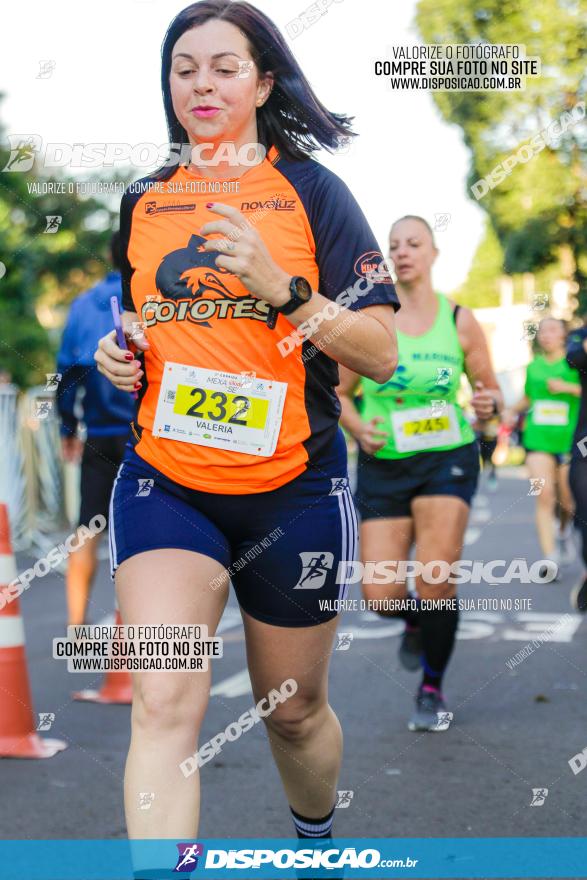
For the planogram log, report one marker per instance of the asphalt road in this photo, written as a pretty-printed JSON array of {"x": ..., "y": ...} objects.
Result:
[{"x": 514, "y": 729}]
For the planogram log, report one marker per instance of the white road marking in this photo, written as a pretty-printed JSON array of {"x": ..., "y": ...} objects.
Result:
[
  {"x": 477, "y": 625},
  {"x": 549, "y": 627},
  {"x": 236, "y": 685}
]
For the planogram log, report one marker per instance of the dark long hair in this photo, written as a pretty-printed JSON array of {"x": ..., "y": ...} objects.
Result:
[{"x": 292, "y": 119}]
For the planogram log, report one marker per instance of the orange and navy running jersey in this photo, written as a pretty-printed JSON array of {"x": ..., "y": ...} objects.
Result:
[{"x": 201, "y": 315}]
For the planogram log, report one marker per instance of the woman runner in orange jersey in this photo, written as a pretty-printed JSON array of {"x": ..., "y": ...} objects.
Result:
[{"x": 247, "y": 299}]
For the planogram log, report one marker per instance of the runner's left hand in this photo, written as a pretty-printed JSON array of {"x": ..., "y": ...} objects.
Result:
[{"x": 243, "y": 252}]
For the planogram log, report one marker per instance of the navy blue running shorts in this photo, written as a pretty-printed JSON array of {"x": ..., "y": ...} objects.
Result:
[
  {"x": 386, "y": 486},
  {"x": 282, "y": 548}
]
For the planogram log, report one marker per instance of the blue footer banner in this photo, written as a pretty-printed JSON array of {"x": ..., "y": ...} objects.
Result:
[{"x": 507, "y": 857}]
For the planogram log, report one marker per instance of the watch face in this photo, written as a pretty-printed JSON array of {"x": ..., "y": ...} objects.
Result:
[{"x": 303, "y": 288}]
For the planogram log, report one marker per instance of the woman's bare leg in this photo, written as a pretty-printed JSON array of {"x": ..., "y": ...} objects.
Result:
[{"x": 166, "y": 587}]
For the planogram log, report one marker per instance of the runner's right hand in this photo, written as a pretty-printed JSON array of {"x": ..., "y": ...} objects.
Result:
[
  {"x": 117, "y": 364},
  {"x": 370, "y": 438}
]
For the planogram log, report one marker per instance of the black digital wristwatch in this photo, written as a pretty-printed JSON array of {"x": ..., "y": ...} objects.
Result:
[{"x": 301, "y": 292}]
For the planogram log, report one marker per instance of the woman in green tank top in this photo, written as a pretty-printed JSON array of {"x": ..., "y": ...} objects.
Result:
[
  {"x": 418, "y": 460},
  {"x": 551, "y": 399}
]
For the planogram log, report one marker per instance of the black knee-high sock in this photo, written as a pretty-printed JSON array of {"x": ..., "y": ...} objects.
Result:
[
  {"x": 438, "y": 630},
  {"x": 578, "y": 484},
  {"x": 582, "y": 528},
  {"x": 411, "y": 616}
]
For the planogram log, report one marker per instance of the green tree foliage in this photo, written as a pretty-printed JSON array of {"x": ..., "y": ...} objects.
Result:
[
  {"x": 481, "y": 287},
  {"x": 540, "y": 209},
  {"x": 43, "y": 271}
]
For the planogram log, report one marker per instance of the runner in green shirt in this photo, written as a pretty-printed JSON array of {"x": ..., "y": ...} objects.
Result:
[
  {"x": 418, "y": 459},
  {"x": 551, "y": 399}
]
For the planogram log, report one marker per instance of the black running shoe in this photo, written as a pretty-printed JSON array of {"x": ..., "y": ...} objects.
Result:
[
  {"x": 410, "y": 649},
  {"x": 579, "y": 597},
  {"x": 429, "y": 704}
]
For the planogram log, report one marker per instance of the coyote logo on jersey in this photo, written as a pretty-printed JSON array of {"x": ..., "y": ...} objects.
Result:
[
  {"x": 190, "y": 278},
  {"x": 190, "y": 271}
]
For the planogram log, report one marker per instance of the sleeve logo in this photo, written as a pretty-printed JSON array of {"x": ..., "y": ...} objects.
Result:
[{"x": 374, "y": 268}]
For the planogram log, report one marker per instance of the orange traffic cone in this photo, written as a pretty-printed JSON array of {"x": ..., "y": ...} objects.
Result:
[
  {"x": 18, "y": 738},
  {"x": 116, "y": 687}
]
